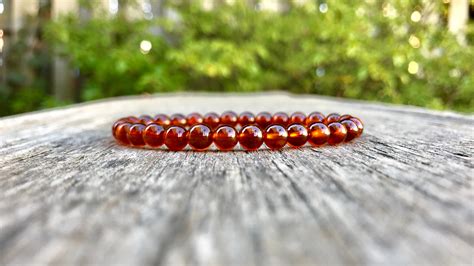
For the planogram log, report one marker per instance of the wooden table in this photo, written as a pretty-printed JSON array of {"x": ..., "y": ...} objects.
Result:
[{"x": 400, "y": 195}]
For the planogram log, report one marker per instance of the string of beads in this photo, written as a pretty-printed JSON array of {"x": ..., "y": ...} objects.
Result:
[{"x": 225, "y": 131}]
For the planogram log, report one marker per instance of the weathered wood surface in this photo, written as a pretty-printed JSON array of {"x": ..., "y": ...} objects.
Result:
[{"x": 400, "y": 195}]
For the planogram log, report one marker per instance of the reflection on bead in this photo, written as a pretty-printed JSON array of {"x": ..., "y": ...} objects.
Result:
[
  {"x": 246, "y": 118},
  {"x": 194, "y": 119},
  {"x": 314, "y": 117},
  {"x": 212, "y": 120},
  {"x": 250, "y": 137},
  {"x": 334, "y": 117},
  {"x": 178, "y": 120},
  {"x": 352, "y": 129},
  {"x": 338, "y": 133},
  {"x": 229, "y": 118},
  {"x": 146, "y": 119},
  {"x": 135, "y": 135},
  {"x": 280, "y": 118},
  {"x": 176, "y": 138},
  {"x": 162, "y": 120},
  {"x": 359, "y": 124},
  {"x": 121, "y": 133},
  {"x": 297, "y": 135},
  {"x": 200, "y": 137},
  {"x": 225, "y": 138},
  {"x": 318, "y": 134},
  {"x": 275, "y": 137},
  {"x": 297, "y": 118},
  {"x": 263, "y": 119},
  {"x": 154, "y": 135},
  {"x": 344, "y": 117}
]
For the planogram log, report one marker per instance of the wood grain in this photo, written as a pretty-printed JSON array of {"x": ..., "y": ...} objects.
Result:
[{"x": 400, "y": 195}]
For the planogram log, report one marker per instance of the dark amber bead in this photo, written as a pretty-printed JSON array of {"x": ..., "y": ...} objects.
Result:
[
  {"x": 344, "y": 117},
  {"x": 162, "y": 120},
  {"x": 121, "y": 133},
  {"x": 280, "y": 118},
  {"x": 297, "y": 118},
  {"x": 250, "y": 137},
  {"x": 135, "y": 135},
  {"x": 225, "y": 138},
  {"x": 338, "y": 133},
  {"x": 154, "y": 135},
  {"x": 359, "y": 124},
  {"x": 318, "y": 134},
  {"x": 212, "y": 120},
  {"x": 331, "y": 118},
  {"x": 194, "y": 119},
  {"x": 176, "y": 138},
  {"x": 297, "y": 135},
  {"x": 117, "y": 123},
  {"x": 246, "y": 118},
  {"x": 352, "y": 129},
  {"x": 133, "y": 120},
  {"x": 263, "y": 119},
  {"x": 200, "y": 137},
  {"x": 314, "y": 117},
  {"x": 229, "y": 118},
  {"x": 178, "y": 120},
  {"x": 146, "y": 119},
  {"x": 275, "y": 137}
]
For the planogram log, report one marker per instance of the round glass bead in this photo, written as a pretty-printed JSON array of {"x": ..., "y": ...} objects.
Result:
[
  {"x": 146, "y": 119},
  {"x": 212, "y": 120},
  {"x": 352, "y": 129},
  {"x": 229, "y": 118},
  {"x": 344, "y": 117},
  {"x": 176, "y": 138},
  {"x": 246, "y": 118},
  {"x": 359, "y": 124},
  {"x": 121, "y": 133},
  {"x": 116, "y": 124},
  {"x": 135, "y": 135},
  {"x": 178, "y": 120},
  {"x": 162, "y": 120},
  {"x": 338, "y": 133},
  {"x": 194, "y": 119},
  {"x": 297, "y": 118},
  {"x": 275, "y": 137},
  {"x": 318, "y": 134},
  {"x": 200, "y": 137},
  {"x": 334, "y": 117},
  {"x": 280, "y": 118},
  {"x": 263, "y": 119},
  {"x": 297, "y": 135},
  {"x": 225, "y": 138},
  {"x": 250, "y": 137},
  {"x": 314, "y": 117},
  {"x": 154, "y": 135}
]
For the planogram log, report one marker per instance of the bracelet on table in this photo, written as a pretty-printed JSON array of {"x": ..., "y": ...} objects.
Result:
[{"x": 228, "y": 129}]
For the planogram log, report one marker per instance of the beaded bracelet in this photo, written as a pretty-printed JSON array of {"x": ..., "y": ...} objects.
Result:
[{"x": 177, "y": 131}]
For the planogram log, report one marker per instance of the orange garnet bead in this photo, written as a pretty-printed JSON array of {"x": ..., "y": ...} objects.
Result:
[
  {"x": 338, "y": 133},
  {"x": 200, "y": 137},
  {"x": 176, "y": 138},
  {"x": 194, "y": 119},
  {"x": 250, "y": 137},
  {"x": 263, "y": 119},
  {"x": 225, "y": 138},
  {"x": 318, "y": 134},
  {"x": 314, "y": 117},
  {"x": 135, "y": 135},
  {"x": 275, "y": 137},
  {"x": 178, "y": 120},
  {"x": 281, "y": 118},
  {"x": 154, "y": 135},
  {"x": 212, "y": 120},
  {"x": 146, "y": 119},
  {"x": 334, "y": 117},
  {"x": 297, "y": 135},
  {"x": 352, "y": 129},
  {"x": 246, "y": 118},
  {"x": 162, "y": 120},
  {"x": 358, "y": 123},
  {"x": 121, "y": 133},
  {"x": 229, "y": 118},
  {"x": 297, "y": 118}
]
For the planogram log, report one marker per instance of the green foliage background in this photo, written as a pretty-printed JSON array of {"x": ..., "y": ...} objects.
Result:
[{"x": 357, "y": 49}]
